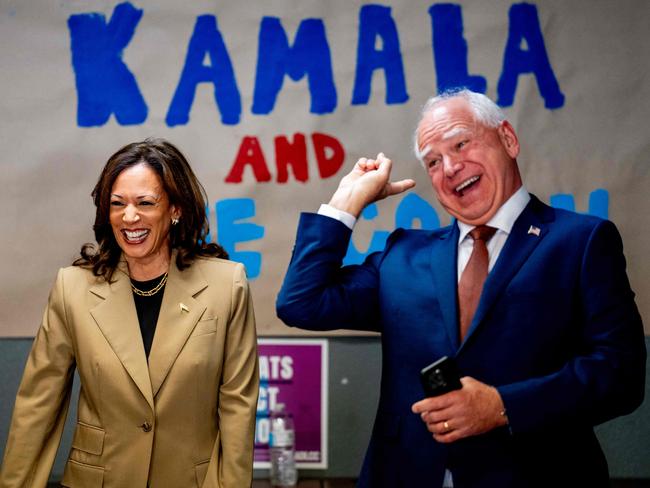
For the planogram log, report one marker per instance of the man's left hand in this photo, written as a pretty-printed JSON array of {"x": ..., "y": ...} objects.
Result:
[{"x": 474, "y": 409}]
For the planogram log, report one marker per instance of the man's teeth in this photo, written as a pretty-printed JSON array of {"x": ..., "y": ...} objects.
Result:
[
  {"x": 136, "y": 234},
  {"x": 466, "y": 183}
]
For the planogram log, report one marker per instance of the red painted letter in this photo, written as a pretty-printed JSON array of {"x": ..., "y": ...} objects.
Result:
[
  {"x": 251, "y": 153},
  {"x": 291, "y": 154},
  {"x": 329, "y": 154}
]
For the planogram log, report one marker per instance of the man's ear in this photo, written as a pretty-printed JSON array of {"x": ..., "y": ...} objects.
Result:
[{"x": 509, "y": 139}]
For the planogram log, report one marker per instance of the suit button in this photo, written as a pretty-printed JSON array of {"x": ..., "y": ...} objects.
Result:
[{"x": 146, "y": 426}]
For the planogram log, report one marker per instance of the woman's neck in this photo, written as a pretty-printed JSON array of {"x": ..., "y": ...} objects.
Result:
[{"x": 149, "y": 268}]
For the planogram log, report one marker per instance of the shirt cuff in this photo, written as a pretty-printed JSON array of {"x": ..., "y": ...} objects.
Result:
[{"x": 346, "y": 218}]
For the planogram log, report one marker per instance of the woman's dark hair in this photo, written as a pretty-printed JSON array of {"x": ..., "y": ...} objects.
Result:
[{"x": 184, "y": 191}]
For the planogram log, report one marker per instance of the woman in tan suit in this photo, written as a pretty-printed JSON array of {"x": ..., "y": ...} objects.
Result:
[{"x": 160, "y": 327}]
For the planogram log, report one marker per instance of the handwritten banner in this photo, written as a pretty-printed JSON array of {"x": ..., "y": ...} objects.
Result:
[{"x": 273, "y": 103}]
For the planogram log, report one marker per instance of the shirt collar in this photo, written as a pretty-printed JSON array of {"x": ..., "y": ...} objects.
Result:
[{"x": 505, "y": 217}]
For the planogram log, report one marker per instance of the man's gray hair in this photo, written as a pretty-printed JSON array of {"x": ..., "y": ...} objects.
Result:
[{"x": 485, "y": 110}]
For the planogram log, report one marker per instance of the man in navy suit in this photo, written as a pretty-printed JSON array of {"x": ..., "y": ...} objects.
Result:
[{"x": 554, "y": 347}]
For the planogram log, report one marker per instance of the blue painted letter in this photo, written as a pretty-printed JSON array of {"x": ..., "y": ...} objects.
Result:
[
  {"x": 377, "y": 242},
  {"x": 310, "y": 55},
  {"x": 450, "y": 50},
  {"x": 104, "y": 83},
  {"x": 598, "y": 202},
  {"x": 206, "y": 39},
  {"x": 374, "y": 21},
  {"x": 412, "y": 208},
  {"x": 230, "y": 232},
  {"x": 525, "y": 28}
]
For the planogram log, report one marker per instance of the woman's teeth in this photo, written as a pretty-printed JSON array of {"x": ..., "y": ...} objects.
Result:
[{"x": 135, "y": 235}]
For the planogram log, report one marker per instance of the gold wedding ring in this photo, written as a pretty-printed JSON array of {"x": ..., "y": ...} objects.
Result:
[{"x": 446, "y": 425}]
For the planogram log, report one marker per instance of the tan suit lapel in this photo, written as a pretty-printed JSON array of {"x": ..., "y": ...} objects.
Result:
[
  {"x": 118, "y": 320},
  {"x": 179, "y": 313}
]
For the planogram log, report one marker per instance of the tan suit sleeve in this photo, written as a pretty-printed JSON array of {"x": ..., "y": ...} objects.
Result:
[
  {"x": 238, "y": 393},
  {"x": 42, "y": 400}
]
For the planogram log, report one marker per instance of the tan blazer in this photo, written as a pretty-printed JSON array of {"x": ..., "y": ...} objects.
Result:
[{"x": 187, "y": 419}]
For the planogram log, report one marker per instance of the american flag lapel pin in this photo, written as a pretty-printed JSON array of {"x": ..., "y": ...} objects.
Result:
[{"x": 534, "y": 230}]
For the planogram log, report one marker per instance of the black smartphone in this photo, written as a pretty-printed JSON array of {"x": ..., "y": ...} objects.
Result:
[{"x": 440, "y": 377}]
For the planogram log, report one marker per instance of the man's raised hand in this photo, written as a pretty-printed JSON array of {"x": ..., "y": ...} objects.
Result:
[{"x": 368, "y": 182}]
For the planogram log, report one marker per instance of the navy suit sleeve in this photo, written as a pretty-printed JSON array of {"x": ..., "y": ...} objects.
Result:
[
  {"x": 606, "y": 376},
  {"x": 318, "y": 293}
]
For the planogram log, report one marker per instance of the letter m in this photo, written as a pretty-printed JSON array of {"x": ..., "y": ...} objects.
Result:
[
  {"x": 309, "y": 56},
  {"x": 105, "y": 85}
]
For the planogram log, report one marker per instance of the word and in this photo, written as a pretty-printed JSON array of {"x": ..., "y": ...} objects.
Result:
[{"x": 329, "y": 152}]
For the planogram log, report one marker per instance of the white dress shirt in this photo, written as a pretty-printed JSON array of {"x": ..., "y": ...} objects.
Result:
[{"x": 503, "y": 221}]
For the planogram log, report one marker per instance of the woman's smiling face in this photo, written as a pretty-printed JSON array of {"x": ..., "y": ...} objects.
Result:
[{"x": 141, "y": 215}]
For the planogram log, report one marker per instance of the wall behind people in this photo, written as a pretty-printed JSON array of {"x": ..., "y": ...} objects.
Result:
[{"x": 274, "y": 101}]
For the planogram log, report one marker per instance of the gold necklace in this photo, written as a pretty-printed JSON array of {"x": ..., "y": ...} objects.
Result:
[{"x": 153, "y": 291}]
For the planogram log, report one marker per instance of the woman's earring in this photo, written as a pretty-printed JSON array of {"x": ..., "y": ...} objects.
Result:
[{"x": 174, "y": 221}]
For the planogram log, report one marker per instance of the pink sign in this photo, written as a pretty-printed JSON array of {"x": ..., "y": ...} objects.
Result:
[{"x": 293, "y": 372}]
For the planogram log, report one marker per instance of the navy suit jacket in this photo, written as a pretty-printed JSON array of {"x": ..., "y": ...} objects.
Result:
[{"x": 556, "y": 331}]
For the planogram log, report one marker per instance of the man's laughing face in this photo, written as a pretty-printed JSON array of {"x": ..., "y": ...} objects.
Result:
[{"x": 473, "y": 168}]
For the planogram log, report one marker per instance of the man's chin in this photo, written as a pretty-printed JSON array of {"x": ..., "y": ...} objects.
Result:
[{"x": 473, "y": 218}]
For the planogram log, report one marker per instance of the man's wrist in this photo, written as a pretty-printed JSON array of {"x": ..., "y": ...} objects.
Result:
[
  {"x": 502, "y": 415},
  {"x": 503, "y": 418},
  {"x": 342, "y": 216},
  {"x": 344, "y": 201}
]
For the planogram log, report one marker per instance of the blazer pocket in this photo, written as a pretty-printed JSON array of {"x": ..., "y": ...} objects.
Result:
[
  {"x": 205, "y": 326},
  {"x": 88, "y": 438},
  {"x": 200, "y": 470},
  {"x": 82, "y": 475}
]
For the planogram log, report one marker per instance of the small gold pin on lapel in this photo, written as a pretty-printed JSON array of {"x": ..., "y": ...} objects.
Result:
[
  {"x": 184, "y": 308},
  {"x": 534, "y": 230}
]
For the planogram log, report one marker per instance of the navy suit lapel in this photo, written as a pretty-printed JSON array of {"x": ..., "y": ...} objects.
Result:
[
  {"x": 521, "y": 242},
  {"x": 445, "y": 276}
]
